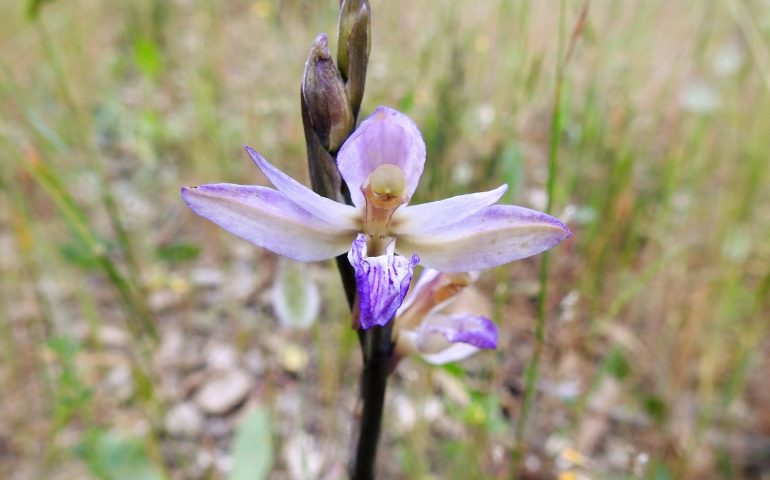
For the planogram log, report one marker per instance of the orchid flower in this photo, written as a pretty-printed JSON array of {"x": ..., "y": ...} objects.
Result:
[
  {"x": 381, "y": 164},
  {"x": 428, "y": 325}
]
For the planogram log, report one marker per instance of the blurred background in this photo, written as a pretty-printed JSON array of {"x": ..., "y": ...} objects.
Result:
[{"x": 138, "y": 341}]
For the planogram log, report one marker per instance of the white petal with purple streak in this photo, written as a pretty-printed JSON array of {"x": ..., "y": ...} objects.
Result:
[
  {"x": 267, "y": 218},
  {"x": 475, "y": 330},
  {"x": 493, "y": 236},
  {"x": 449, "y": 338},
  {"x": 334, "y": 213}
]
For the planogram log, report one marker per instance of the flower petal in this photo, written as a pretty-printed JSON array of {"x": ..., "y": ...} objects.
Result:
[
  {"x": 432, "y": 292},
  {"x": 442, "y": 339},
  {"x": 427, "y": 277},
  {"x": 385, "y": 137},
  {"x": 455, "y": 352},
  {"x": 495, "y": 235},
  {"x": 269, "y": 219},
  {"x": 381, "y": 282},
  {"x": 475, "y": 330},
  {"x": 334, "y": 213},
  {"x": 433, "y": 215}
]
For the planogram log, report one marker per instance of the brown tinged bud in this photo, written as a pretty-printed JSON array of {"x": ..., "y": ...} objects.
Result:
[
  {"x": 324, "y": 95},
  {"x": 325, "y": 178},
  {"x": 353, "y": 46}
]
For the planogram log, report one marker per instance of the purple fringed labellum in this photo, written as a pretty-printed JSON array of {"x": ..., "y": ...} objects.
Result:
[{"x": 381, "y": 283}]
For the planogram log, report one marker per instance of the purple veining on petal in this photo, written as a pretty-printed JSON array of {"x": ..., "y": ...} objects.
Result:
[
  {"x": 474, "y": 330},
  {"x": 381, "y": 282},
  {"x": 385, "y": 137},
  {"x": 357, "y": 250},
  {"x": 490, "y": 217}
]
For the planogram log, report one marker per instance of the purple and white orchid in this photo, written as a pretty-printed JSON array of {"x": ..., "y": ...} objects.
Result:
[
  {"x": 381, "y": 163},
  {"x": 428, "y": 324}
]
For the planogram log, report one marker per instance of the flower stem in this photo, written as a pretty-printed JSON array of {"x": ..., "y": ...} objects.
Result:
[
  {"x": 377, "y": 346},
  {"x": 321, "y": 116},
  {"x": 348, "y": 277}
]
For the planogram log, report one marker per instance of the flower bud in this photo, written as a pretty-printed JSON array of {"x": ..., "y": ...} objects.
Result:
[
  {"x": 354, "y": 43},
  {"x": 324, "y": 95},
  {"x": 325, "y": 178}
]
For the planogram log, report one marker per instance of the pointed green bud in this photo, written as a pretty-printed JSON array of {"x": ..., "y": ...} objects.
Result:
[
  {"x": 325, "y": 97},
  {"x": 354, "y": 43}
]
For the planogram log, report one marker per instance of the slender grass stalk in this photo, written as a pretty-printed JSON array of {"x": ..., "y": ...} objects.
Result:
[
  {"x": 532, "y": 373},
  {"x": 753, "y": 35},
  {"x": 77, "y": 222},
  {"x": 26, "y": 236},
  {"x": 130, "y": 292},
  {"x": 82, "y": 128}
]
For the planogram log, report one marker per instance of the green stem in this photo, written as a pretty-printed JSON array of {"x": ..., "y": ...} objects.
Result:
[{"x": 532, "y": 373}]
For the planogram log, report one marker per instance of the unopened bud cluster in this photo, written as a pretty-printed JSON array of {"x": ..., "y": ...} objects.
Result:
[{"x": 331, "y": 94}]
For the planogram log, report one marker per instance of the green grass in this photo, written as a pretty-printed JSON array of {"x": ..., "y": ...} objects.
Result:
[{"x": 662, "y": 174}]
